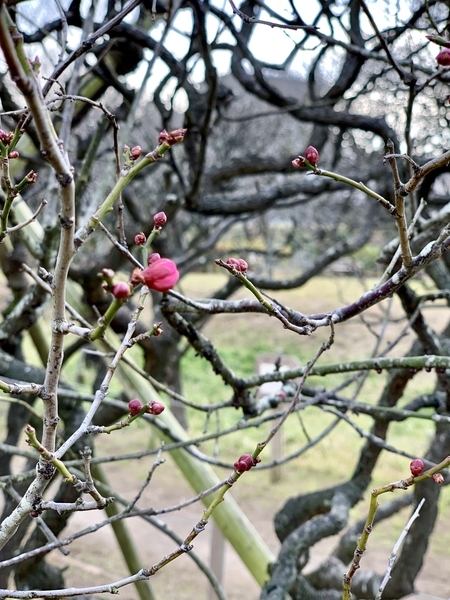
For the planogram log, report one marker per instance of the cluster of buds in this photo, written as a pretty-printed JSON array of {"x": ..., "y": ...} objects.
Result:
[
  {"x": 169, "y": 138},
  {"x": 120, "y": 290},
  {"x": 245, "y": 463},
  {"x": 160, "y": 275},
  {"x": 135, "y": 407},
  {"x": 239, "y": 264},
  {"x": 311, "y": 157}
]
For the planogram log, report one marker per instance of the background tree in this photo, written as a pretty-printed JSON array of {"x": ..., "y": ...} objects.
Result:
[{"x": 354, "y": 80}]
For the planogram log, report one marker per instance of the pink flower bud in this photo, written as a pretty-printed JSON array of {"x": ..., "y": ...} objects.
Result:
[
  {"x": 298, "y": 162},
  {"x": 121, "y": 290},
  {"x": 153, "y": 257},
  {"x": 13, "y": 154},
  {"x": 233, "y": 262},
  {"x": 242, "y": 265},
  {"x": 238, "y": 263},
  {"x": 160, "y": 219},
  {"x": 443, "y": 58},
  {"x": 161, "y": 275},
  {"x": 135, "y": 152},
  {"x": 155, "y": 408},
  {"x": 140, "y": 239},
  {"x": 416, "y": 466},
  {"x": 245, "y": 463},
  {"x": 172, "y": 137},
  {"x": 311, "y": 155},
  {"x": 438, "y": 478},
  {"x": 134, "y": 406}
]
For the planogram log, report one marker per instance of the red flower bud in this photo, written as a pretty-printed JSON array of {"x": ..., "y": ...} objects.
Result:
[
  {"x": 134, "y": 406},
  {"x": 161, "y": 275},
  {"x": 443, "y": 58},
  {"x": 245, "y": 463},
  {"x": 140, "y": 239},
  {"x": 160, "y": 219},
  {"x": 13, "y": 154},
  {"x": 152, "y": 257},
  {"x": 311, "y": 155},
  {"x": 155, "y": 408},
  {"x": 298, "y": 162},
  {"x": 135, "y": 152},
  {"x": 121, "y": 290},
  {"x": 416, "y": 466},
  {"x": 438, "y": 478}
]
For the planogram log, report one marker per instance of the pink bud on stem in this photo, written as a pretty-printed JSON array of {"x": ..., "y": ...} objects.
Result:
[
  {"x": 245, "y": 463},
  {"x": 121, "y": 290},
  {"x": 134, "y": 407},
  {"x": 312, "y": 155},
  {"x": 238, "y": 263},
  {"x": 160, "y": 219},
  {"x": 155, "y": 408},
  {"x": 140, "y": 239},
  {"x": 416, "y": 466},
  {"x": 443, "y": 58}
]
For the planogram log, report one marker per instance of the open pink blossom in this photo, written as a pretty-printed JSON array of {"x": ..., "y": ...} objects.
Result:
[{"x": 161, "y": 275}]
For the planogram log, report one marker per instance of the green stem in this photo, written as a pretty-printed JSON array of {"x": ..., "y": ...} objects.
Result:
[
  {"x": 124, "y": 180},
  {"x": 107, "y": 318},
  {"x": 146, "y": 247},
  {"x": 48, "y": 456}
]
